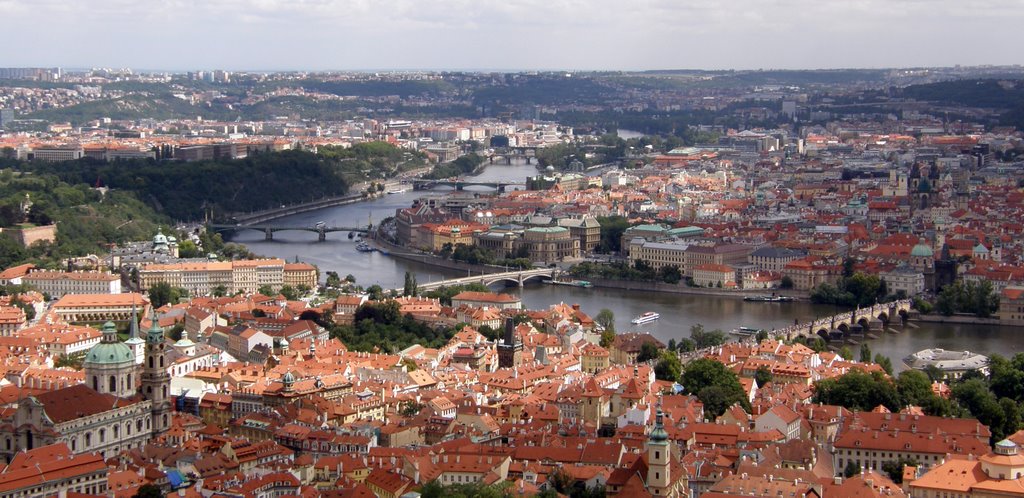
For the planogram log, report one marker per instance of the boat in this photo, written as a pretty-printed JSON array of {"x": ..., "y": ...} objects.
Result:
[
  {"x": 746, "y": 331},
  {"x": 396, "y": 191},
  {"x": 320, "y": 224},
  {"x": 573, "y": 283},
  {"x": 364, "y": 247},
  {"x": 650, "y": 316},
  {"x": 771, "y": 298}
]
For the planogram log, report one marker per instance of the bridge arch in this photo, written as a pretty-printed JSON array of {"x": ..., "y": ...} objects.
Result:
[
  {"x": 823, "y": 333},
  {"x": 883, "y": 316},
  {"x": 864, "y": 323},
  {"x": 844, "y": 328}
]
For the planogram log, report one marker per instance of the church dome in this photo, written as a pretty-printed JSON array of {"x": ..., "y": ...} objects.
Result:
[
  {"x": 921, "y": 250},
  {"x": 159, "y": 239},
  {"x": 110, "y": 351}
]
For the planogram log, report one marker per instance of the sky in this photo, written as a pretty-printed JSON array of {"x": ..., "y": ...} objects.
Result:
[{"x": 509, "y": 34}]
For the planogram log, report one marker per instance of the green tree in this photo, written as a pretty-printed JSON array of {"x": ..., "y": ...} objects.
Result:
[
  {"x": 607, "y": 338},
  {"x": 865, "y": 353},
  {"x": 884, "y": 362},
  {"x": 189, "y": 249},
  {"x": 606, "y": 318},
  {"x": 858, "y": 390},
  {"x": 894, "y": 469},
  {"x": 266, "y": 290},
  {"x": 715, "y": 385},
  {"x": 375, "y": 292},
  {"x": 648, "y": 352},
  {"x": 409, "y": 287},
  {"x": 289, "y": 293},
  {"x": 219, "y": 290},
  {"x": 851, "y": 470},
  {"x": 762, "y": 375},
  {"x": 162, "y": 293},
  {"x": 149, "y": 491},
  {"x": 706, "y": 339},
  {"x": 333, "y": 280},
  {"x": 668, "y": 367}
]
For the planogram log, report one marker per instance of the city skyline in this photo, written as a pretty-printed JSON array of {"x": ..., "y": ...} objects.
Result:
[{"x": 456, "y": 35}]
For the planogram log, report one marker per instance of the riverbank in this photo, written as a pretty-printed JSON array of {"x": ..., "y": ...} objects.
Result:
[
  {"x": 403, "y": 253},
  {"x": 959, "y": 319},
  {"x": 638, "y": 285}
]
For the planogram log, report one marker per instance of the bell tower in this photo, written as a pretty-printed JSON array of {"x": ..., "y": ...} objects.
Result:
[
  {"x": 659, "y": 458},
  {"x": 156, "y": 381}
]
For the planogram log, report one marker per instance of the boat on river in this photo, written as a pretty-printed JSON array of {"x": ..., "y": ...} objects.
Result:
[
  {"x": 769, "y": 299},
  {"x": 572, "y": 283},
  {"x": 362, "y": 246},
  {"x": 745, "y": 331},
  {"x": 648, "y": 317}
]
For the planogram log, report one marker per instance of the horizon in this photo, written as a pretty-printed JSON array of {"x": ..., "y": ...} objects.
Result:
[{"x": 340, "y": 35}]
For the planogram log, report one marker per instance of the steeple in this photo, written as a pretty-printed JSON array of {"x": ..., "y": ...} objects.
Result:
[
  {"x": 659, "y": 457},
  {"x": 156, "y": 381}
]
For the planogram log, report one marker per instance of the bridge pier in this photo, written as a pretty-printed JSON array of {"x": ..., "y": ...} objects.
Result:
[
  {"x": 501, "y": 188},
  {"x": 321, "y": 235},
  {"x": 459, "y": 187},
  {"x": 268, "y": 234},
  {"x": 528, "y": 159}
]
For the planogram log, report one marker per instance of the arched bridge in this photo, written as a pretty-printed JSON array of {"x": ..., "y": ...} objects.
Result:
[
  {"x": 269, "y": 230},
  {"x": 839, "y": 326},
  {"x": 461, "y": 184},
  {"x": 514, "y": 277}
]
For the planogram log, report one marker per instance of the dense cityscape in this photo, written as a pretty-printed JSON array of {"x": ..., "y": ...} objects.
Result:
[{"x": 682, "y": 283}]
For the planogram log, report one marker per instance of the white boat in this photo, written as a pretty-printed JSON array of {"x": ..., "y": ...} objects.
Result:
[
  {"x": 746, "y": 331},
  {"x": 396, "y": 191},
  {"x": 650, "y": 316}
]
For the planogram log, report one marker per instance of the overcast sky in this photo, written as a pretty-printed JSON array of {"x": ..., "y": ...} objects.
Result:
[{"x": 509, "y": 34}]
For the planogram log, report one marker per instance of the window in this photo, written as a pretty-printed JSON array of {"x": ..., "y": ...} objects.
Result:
[{"x": 113, "y": 384}]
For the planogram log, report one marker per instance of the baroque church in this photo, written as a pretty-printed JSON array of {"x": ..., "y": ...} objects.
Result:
[{"x": 122, "y": 404}]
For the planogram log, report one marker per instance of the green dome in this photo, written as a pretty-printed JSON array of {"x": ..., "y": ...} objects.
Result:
[
  {"x": 109, "y": 353},
  {"x": 922, "y": 251}
]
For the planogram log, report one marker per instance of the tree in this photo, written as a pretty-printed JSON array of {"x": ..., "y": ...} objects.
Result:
[
  {"x": 410, "y": 286},
  {"x": 606, "y": 319},
  {"x": 289, "y": 293},
  {"x": 762, "y": 376},
  {"x": 704, "y": 339},
  {"x": 375, "y": 292},
  {"x": 266, "y": 290},
  {"x": 858, "y": 390},
  {"x": 894, "y": 469},
  {"x": 149, "y": 491},
  {"x": 410, "y": 408},
  {"x": 607, "y": 338},
  {"x": 715, "y": 385},
  {"x": 162, "y": 293},
  {"x": 332, "y": 279},
  {"x": 851, "y": 470},
  {"x": 668, "y": 367},
  {"x": 786, "y": 282},
  {"x": 220, "y": 290},
  {"x": 648, "y": 352},
  {"x": 761, "y": 336},
  {"x": 865, "y": 353},
  {"x": 189, "y": 249},
  {"x": 884, "y": 362}
]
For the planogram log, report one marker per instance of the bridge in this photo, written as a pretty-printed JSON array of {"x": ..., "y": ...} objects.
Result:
[
  {"x": 509, "y": 153},
  {"x": 270, "y": 229},
  {"x": 840, "y": 326},
  {"x": 461, "y": 184},
  {"x": 518, "y": 278}
]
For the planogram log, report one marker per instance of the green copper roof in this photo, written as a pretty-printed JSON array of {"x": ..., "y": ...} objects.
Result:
[{"x": 109, "y": 353}]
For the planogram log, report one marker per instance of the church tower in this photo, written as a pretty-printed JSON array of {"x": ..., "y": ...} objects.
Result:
[
  {"x": 659, "y": 458},
  {"x": 510, "y": 350},
  {"x": 156, "y": 382}
]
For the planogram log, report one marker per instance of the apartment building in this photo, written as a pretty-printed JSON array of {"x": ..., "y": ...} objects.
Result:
[
  {"x": 201, "y": 279},
  {"x": 59, "y": 283}
]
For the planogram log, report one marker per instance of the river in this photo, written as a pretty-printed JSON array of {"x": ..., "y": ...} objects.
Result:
[{"x": 678, "y": 312}]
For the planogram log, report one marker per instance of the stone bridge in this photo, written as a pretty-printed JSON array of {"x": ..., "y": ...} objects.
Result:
[
  {"x": 839, "y": 326},
  {"x": 514, "y": 277},
  {"x": 268, "y": 230}
]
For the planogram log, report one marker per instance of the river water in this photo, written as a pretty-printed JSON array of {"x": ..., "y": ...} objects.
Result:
[{"x": 678, "y": 312}]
